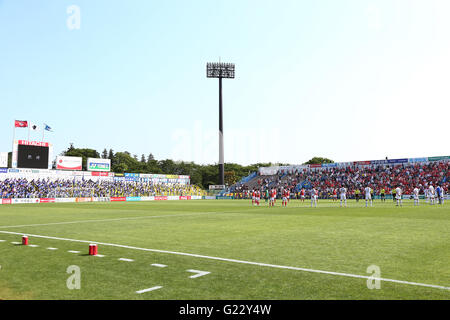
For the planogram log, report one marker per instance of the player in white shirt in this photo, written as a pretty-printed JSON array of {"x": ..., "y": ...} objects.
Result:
[
  {"x": 343, "y": 193},
  {"x": 431, "y": 194},
  {"x": 416, "y": 196},
  {"x": 367, "y": 191},
  {"x": 313, "y": 197},
  {"x": 398, "y": 196}
]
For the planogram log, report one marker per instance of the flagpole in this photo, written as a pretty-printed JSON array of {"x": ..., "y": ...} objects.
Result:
[
  {"x": 14, "y": 138},
  {"x": 28, "y": 133},
  {"x": 43, "y": 132}
]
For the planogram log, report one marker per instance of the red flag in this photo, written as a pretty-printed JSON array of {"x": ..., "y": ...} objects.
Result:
[{"x": 21, "y": 124}]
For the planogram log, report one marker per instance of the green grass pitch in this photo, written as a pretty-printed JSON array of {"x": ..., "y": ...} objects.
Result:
[{"x": 244, "y": 249}]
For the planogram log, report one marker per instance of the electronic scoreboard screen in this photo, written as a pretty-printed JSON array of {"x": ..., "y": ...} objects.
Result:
[{"x": 35, "y": 157}]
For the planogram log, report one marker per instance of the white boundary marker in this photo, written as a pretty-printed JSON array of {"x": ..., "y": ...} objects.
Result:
[
  {"x": 2, "y": 240},
  {"x": 149, "y": 289},
  {"x": 349, "y": 275},
  {"x": 53, "y": 249},
  {"x": 159, "y": 265},
  {"x": 198, "y": 273},
  {"x": 125, "y": 259},
  {"x": 72, "y": 251}
]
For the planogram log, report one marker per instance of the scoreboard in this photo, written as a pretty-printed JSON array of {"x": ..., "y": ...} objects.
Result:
[
  {"x": 32, "y": 154},
  {"x": 32, "y": 157}
]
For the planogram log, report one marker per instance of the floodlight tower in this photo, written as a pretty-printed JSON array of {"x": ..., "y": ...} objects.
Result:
[{"x": 222, "y": 71}]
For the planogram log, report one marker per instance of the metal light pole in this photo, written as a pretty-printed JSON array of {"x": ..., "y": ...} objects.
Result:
[{"x": 222, "y": 71}]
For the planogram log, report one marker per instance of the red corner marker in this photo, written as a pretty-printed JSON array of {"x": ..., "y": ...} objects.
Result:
[{"x": 92, "y": 249}]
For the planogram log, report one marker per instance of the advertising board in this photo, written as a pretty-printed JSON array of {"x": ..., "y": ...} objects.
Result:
[
  {"x": 95, "y": 164},
  {"x": 68, "y": 163}
]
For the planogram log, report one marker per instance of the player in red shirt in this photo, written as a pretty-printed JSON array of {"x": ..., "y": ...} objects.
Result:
[
  {"x": 334, "y": 194},
  {"x": 253, "y": 197},
  {"x": 273, "y": 196},
  {"x": 284, "y": 195},
  {"x": 302, "y": 195}
]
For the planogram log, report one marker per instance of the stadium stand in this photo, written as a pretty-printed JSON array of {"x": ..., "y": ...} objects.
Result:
[
  {"x": 25, "y": 184},
  {"x": 376, "y": 174},
  {"x": 45, "y": 188}
]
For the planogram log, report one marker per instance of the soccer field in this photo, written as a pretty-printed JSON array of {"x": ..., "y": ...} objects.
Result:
[{"x": 225, "y": 249}]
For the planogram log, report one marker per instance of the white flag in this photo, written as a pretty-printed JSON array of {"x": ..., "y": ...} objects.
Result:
[{"x": 34, "y": 127}]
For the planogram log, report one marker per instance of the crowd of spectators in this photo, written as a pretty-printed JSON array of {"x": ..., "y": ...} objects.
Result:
[
  {"x": 66, "y": 188},
  {"x": 325, "y": 180},
  {"x": 377, "y": 177}
]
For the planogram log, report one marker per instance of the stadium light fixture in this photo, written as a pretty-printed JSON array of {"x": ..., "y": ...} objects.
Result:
[{"x": 221, "y": 71}]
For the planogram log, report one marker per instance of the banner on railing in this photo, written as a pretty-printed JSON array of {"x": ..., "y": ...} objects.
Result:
[
  {"x": 114, "y": 199},
  {"x": 102, "y": 199}
]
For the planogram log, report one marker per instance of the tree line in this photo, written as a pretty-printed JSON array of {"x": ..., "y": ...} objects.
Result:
[{"x": 201, "y": 175}]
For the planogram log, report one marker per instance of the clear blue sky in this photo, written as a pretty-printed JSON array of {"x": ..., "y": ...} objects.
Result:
[{"x": 347, "y": 80}]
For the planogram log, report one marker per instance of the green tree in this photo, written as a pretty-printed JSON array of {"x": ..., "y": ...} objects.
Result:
[
  {"x": 124, "y": 161},
  {"x": 121, "y": 168},
  {"x": 167, "y": 166},
  {"x": 230, "y": 178},
  {"x": 111, "y": 156},
  {"x": 319, "y": 160},
  {"x": 201, "y": 175}
]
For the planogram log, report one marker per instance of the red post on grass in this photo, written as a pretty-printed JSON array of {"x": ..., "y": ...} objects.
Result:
[
  {"x": 92, "y": 249},
  {"x": 25, "y": 240}
]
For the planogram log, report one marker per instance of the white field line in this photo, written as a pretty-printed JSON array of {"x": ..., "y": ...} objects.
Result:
[
  {"x": 2, "y": 240},
  {"x": 125, "y": 259},
  {"x": 237, "y": 261},
  {"x": 159, "y": 265},
  {"x": 149, "y": 289},
  {"x": 112, "y": 219},
  {"x": 73, "y": 251},
  {"x": 198, "y": 274},
  {"x": 53, "y": 249},
  {"x": 33, "y": 245}
]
